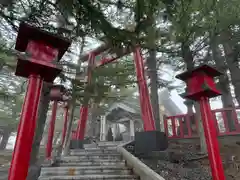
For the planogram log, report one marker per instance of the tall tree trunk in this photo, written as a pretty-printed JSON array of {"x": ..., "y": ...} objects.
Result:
[
  {"x": 68, "y": 137},
  {"x": 223, "y": 83},
  {"x": 231, "y": 54},
  {"x": 35, "y": 165},
  {"x": 93, "y": 125},
  {"x": 152, "y": 72},
  {"x": 89, "y": 126},
  {"x": 5, "y": 137},
  {"x": 188, "y": 58},
  {"x": 200, "y": 128},
  {"x": 42, "y": 116},
  {"x": 70, "y": 125}
]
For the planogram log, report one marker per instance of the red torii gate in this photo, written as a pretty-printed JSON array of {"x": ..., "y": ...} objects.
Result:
[
  {"x": 146, "y": 108},
  {"x": 44, "y": 49}
]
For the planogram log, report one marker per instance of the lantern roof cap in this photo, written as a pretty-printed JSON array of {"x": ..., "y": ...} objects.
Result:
[
  {"x": 27, "y": 32},
  {"x": 209, "y": 70}
]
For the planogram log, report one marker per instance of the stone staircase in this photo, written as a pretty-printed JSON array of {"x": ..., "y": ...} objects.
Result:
[{"x": 100, "y": 162}]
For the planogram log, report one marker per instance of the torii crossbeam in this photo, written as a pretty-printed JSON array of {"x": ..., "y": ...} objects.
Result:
[{"x": 146, "y": 108}]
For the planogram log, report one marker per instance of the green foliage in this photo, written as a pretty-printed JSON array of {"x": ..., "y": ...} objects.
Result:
[
  {"x": 108, "y": 81},
  {"x": 9, "y": 114},
  {"x": 171, "y": 25}
]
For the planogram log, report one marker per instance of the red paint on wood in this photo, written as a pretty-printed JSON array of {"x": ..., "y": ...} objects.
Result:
[
  {"x": 146, "y": 107},
  {"x": 26, "y": 129},
  {"x": 211, "y": 140}
]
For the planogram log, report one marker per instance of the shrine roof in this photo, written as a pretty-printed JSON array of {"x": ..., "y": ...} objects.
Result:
[
  {"x": 119, "y": 113},
  {"x": 130, "y": 107}
]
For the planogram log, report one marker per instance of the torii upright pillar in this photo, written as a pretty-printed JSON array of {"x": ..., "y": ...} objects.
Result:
[
  {"x": 149, "y": 140},
  {"x": 42, "y": 49},
  {"x": 77, "y": 143},
  {"x": 145, "y": 104}
]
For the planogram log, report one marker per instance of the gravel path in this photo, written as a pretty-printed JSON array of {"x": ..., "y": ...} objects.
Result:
[
  {"x": 174, "y": 166},
  {"x": 184, "y": 162}
]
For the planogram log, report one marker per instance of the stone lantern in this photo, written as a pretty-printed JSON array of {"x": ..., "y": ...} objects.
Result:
[
  {"x": 41, "y": 52},
  {"x": 201, "y": 87}
]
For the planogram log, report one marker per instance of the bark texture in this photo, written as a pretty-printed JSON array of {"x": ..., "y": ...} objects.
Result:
[
  {"x": 188, "y": 58},
  {"x": 70, "y": 125},
  {"x": 93, "y": 129},
  {"x": 42, "y": 116},
  {"x": 224, "y": 83},
  {"x": 35, "y": 163},
  {"x": 231, "y": 51},
  {"x": 152, "y": 72},
  {"x": 5, "y": 137}
]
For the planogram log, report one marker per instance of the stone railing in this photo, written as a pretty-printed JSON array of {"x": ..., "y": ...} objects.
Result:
[{"x": 139, "y": 168}]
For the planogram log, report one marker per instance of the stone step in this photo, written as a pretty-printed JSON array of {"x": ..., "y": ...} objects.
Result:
[
  {"x": 100, "y": 147},
  {"x": 98, "y": 170},
  {"x": 90, "y": 157},
  {"x": 103, "y": 144},
  {"x": 94, "y": 152},
  {"x": 90, "y": 177},
  {"x": 97, "y": 162},
  {"x": 95, "y": 155},
  {"x": 97, "y": 148}
]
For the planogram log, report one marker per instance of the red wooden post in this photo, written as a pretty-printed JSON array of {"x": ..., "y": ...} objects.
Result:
[
  {"x": 65, "y": 124},
  {"x": 234, "y": 115},
  {"x": 42, "y": 48},
  {"x": 144, "y": 112},
  {"x": 82, "y": 123},
  {"x": 201, "y": 87},
  {"x": 211, "y": 140},
  {"x": 74, "y": 135},
  {"x": 84, "y": 109},
  {"x": 173, "y": 120},
  {"x": 56, "y": 94},
  {"x": 26, "y": 130},
  {"x": 51, "y": 130},
  {"x": 79, "y": 121},
  {"x": 146, "y": 107}
]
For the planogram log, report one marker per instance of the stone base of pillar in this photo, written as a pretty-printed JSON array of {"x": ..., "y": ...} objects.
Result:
[
  {"x": 150, "y": 141},
  {"x": 76, "y": 144}
]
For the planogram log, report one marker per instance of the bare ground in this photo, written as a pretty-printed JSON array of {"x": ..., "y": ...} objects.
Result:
[{"x": 182, "y": 161}]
